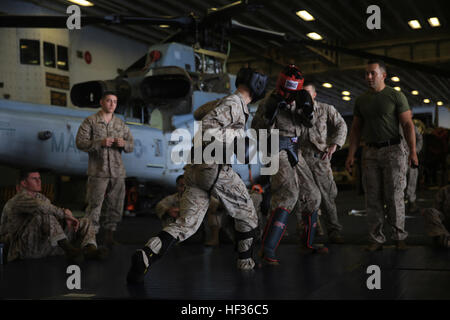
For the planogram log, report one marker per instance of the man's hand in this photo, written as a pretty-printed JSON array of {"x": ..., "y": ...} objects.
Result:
[
  {"x": 349, "y": 163},
  {"x": 119, "y": 142},
  {"x": 173, "y": 212},
  {"x": 107, "y": 142},
  {"x": 330, "y": 150},
  {"x": 413, "y": 161},
  {"x": 71, "y": 221}
]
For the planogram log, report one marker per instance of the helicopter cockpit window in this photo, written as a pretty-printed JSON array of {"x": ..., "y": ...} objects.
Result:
[
  {"x": 63, "y": 58},
  {"x": 49, "y": 55},
  {"x": 30, "y": 52}
]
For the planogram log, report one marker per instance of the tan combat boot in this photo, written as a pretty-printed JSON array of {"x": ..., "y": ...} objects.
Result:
[
  {"x": 108, "y": 239},
  {"x": 72, "y": 253}
]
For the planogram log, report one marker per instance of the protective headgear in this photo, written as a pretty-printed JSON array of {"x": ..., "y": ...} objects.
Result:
[
  {"x": 253, "y": 80},
  {"x": 290, "y": 80}
]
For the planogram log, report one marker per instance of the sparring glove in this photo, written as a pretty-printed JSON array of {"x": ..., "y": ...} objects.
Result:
[{"x": 305, "y": 107}]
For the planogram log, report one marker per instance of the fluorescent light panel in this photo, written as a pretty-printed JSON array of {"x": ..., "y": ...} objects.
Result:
[
  {"x": 305, "y": 15},
  {"x": 414, "y": 24},
  {"x": 434, "y": 22},
  {"x": 83, "y": 3},
  {"x": 314, "y": 36}
]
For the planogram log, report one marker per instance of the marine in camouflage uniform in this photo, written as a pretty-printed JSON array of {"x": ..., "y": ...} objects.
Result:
[
  {"x": 220, "y": 181},
  {"x": 327, "y": 134},
  {"x": 378, "y": 115},
  {"x": 206, "y": 180},
  {"x": 294, "y": 182},
  {"x": 32, "y": 227},
  {"x": 106, "y": 172},
  {"x": 437, "y": 219}
]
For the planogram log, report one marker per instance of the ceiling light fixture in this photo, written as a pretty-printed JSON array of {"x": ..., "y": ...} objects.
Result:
[
  {"x": 440, "y": 103},
  {"x": 414, "y": 24},
  {"x": 305, "y": 15},
  {"x": 327, "y": 85},
  {"x": 426, "y": 100},
  {"x": 395, "y": 79},
  {"x": 314, "y": 36},
  {"x": 434, "y": 22},
  {"x": 398, "y": 88},
  {"x": 164, "y": 26},
  {"x": 345, "y": 93},
  {"x": 414, "y": 92},
  {"x": 346, "y": 98},
  {"x": 83, "y": 3}
]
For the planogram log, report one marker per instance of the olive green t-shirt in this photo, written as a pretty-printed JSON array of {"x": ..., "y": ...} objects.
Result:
[{"x": 379, "y": 114}]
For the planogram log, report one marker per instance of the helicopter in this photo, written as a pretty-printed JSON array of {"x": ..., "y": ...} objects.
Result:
[
  {"x": 164, "y": 86},
  {"x": 156, "y": 95}
]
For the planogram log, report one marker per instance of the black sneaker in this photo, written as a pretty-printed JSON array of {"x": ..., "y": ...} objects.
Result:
[{"x": 139, "y": 267}]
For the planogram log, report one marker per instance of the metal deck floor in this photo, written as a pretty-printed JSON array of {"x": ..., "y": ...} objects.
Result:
[{"x": 191, "y": 271}]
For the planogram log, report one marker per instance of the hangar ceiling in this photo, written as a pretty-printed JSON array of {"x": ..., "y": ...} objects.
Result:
[{"x": 340, "y": 23}]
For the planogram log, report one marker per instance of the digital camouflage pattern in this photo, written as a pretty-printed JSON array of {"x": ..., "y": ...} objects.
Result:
[{"x": 32, "y": 227}]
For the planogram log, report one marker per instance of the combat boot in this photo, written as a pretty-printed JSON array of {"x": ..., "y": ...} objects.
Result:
[
  {"x": 91, "y": 252},
  {"x": 108, "y": 239},
  {"x": 72, "y": 254},
  {"x": 375, "y": 246},
  {"x": 401, "y": 245},
  {"x": 412, "y": 208},
  {"x": 143, "y": 258},
  {"x": 336, "y": 238},
  {"x": 313, "y": 249}
]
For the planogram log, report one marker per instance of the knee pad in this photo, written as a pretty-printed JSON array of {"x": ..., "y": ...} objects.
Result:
[
  {"x": 167, "y": 241},
  {"x": 244, "y": 236}
]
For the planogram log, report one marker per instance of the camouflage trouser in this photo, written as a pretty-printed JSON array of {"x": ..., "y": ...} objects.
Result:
[
  {"x": 434, "y": 222},
  {"x": 323, "y": 177},
  {"x": 257, "y": 199},
  {"x": 39, "y": 237},
  {"x": 437, "y": 225},
  {"x": 105, "y": 198},
  {"x": 384, "y": 181},
  {"x": 229, "y": 189},
  {"x": 218, "y": 220},
  {"x": 292, "y": 184},
  {"x": 411, "y": 184}
]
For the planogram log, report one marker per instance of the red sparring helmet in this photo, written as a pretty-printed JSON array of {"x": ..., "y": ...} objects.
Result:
[{"x": 289, "y": 80}]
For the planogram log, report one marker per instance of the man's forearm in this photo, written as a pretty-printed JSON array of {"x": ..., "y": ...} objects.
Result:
[{"x": 410, "y": 136}]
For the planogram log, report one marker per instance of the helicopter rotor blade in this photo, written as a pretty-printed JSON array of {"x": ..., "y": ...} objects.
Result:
[
  {"x": 228, "y": 11},
  {"x": 371, "y": 56},
  {"x": 286, "y": 39},
  {"x": 21, "y": 21},
  {"x": 239, "y": 28}
]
